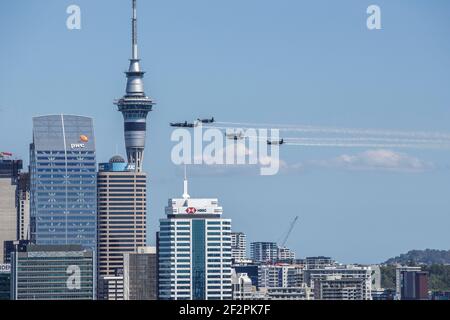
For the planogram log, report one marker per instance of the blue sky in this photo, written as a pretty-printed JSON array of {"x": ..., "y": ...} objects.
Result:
[{"x": 259, "y": 61}]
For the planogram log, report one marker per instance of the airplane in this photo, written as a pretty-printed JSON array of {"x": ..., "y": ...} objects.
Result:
[
  {"x": 5, "y": 154},
  {"x": 207, "y": 120},
  {"x": 235, "y": 136},
  {"x": 183, "y": 124},
  {"x": 278, "y": 142}
]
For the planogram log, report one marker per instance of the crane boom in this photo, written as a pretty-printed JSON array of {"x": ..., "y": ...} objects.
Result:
[{"x": 291, "y": 227}]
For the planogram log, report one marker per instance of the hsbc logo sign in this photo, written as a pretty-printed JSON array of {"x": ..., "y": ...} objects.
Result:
[{"x": 191, "y": 210}]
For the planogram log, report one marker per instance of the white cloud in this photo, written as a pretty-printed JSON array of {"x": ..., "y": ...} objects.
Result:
[{"x": 380, "y": 159}]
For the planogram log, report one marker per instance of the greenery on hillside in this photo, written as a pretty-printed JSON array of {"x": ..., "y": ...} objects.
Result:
[
  {"x": 436, "y": 262},
  {"x": 428, "y": 257}
]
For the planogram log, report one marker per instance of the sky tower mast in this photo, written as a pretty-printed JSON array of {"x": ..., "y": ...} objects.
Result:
[{"x": 135, "y": 105}]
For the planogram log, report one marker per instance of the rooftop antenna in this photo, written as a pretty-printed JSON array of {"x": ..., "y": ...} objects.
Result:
[
  {"x": 185, "y": 192},
  {"x": 134, "y": 47}
]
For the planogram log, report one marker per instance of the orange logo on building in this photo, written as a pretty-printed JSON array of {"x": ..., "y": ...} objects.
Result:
[{"x": 84, "y": 138}]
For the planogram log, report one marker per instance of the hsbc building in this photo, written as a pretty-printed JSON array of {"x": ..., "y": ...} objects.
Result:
[{"x": 194, "y": 248}]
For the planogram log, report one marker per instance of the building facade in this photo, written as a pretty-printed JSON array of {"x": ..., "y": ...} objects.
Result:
[
  {"x": 5, "y": 281},
  {"x": 141, "y": 274},
  {"x": 9, "y": 174},
  {"x": 238, "y": 246},
  {"x": 122, "y": 212},
  {"x": 23, "y": 206},
  {"x": 398, "y": 278},
  {"x": 63, "y": 181},
  {"x": 264, "y": 251},
  {"x": 110, "y": 288},
  {"x": 242, "y": 286},
  {"x": 337, "y": 287},
  {"x": 54, "y": 272},
  {"x": 413, "y": 285},
  {"x": 285, "y": 254},
  {"x": 194, "y": 249},
  {"x": 341, "y": 273}
]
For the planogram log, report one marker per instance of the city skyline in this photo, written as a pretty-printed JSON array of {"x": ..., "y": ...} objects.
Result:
[{"x": 375, "y": 199}]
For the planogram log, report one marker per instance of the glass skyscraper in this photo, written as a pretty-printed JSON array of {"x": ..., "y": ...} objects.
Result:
[
  {"x": 63, "y": 199},
  {"x": 55, "y": 272},
  {"x": 194, "y": 250}
]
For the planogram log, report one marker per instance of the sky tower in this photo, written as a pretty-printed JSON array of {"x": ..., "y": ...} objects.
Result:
[{"x": 135, "y": 105}]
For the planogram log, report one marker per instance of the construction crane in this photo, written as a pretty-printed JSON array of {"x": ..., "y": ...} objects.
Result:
[{"x": 291, "y": 227}]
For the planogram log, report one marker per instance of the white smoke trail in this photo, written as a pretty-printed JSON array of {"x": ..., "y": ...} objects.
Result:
[
  {"x": 332, "y": 130},
  {"x": 367, "y": 145}
]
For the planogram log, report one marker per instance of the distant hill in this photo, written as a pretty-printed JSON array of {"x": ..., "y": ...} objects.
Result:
[{"x": 428, "y": 257}]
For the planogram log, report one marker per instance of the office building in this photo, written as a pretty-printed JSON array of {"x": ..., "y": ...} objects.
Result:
[
  {"x": 135, "y": 105},
  {"x": 250, "y": 269},
  {"x": 140, "y": 274},
  {"x": 53, "y": 272},
  {"x": 399, "y": 278},
  {"x": 338, "y": 287},
  {"x": 110, "y": 288},
  {"x": 280, "y": 276},
  {"x": 264, "y": 251},
  {"x": 238, "y": 246},
  {"x": 318, "y": 262},
  {"x": 242, "y": 286},
  {"x": 413, "y": 285},
  {"x": 122, "y": 211},
  {"x": 194, "y": 251},
  {"x": 375, "y": 274},
  {"x": 288, "y": 293},
  {"x": 285, "y": 254},
  {"x": 5, "y": 281},
  {"x": 341, "y": 272},
  {"x": 9, "y": 174},
  {"x": 63, "y": 181},
  {"x": 11, "y": 246},
  {"x": 23, "y": 206},
  {"x": 383, "y": 294}
]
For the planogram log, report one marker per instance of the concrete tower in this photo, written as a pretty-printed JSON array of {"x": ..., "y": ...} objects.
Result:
[{"x": 135, "y": 105}]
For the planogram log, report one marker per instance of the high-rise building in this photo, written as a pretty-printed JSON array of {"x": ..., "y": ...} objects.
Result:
[
  {"x": 279, "y": 276},
  {"x": 11, "y": 246},
  {"x": 53, "y": 272},
  {"x": 5, "y": 281},
  {"x": 413, "y": 285},
  {"x": 242, "y": 286},
  {"x": 9, "y": 174},
  {"x": 285, "y": 254},
  {"x": 122, "y": 212},
  {"x": 135, "y": 105},
  {"x": 341, "y": 273},
  {"x": 63, "y": 181},
  {"x": 23, "y": 207},
  {"x": 318, "y": 262},
  {"x": 110, "y": 288},
  {"x": 140, "y": 274},
  {"x": 238, "y": 246},
  {"x": 399, "y": 278},
  {"x": 264, "y": 251},
  {"x": 337, "y": 287},
  {"x": 250, "y": 269},
  {"x": 194, "y": 251},
  {"x": 288, "y": 293}
]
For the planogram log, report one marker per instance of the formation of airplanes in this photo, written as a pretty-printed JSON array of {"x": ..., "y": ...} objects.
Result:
[
  {"x": 233, "y": 136},
  {"x": 191, "y": 124}
]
